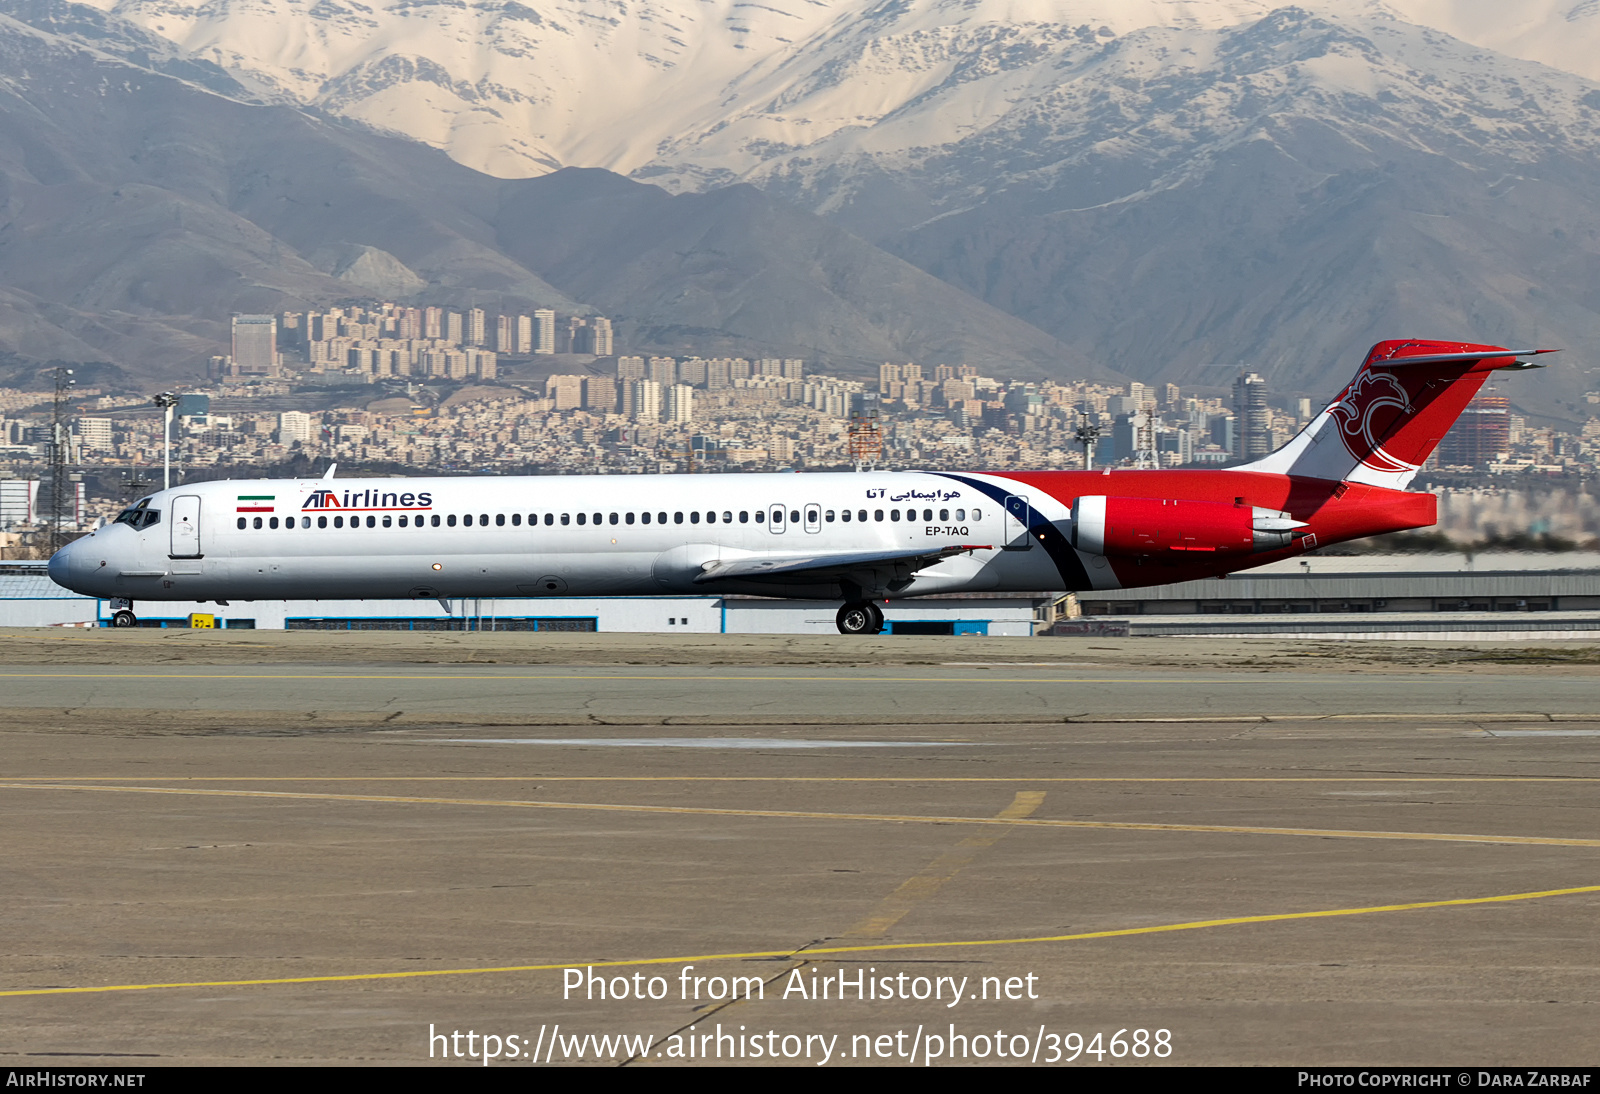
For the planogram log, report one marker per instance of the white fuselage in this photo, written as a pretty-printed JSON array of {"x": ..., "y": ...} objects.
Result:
[{"x": 551, "y": 536}]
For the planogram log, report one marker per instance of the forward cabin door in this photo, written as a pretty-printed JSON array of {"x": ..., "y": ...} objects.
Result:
[
  {"x": 1017, "y": 537},
  {"x": 186, "y": 526}
]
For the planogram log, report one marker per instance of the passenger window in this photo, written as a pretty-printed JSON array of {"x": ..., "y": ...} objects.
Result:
[
  {"x": 483, "y": 520},
  {"x": 435, "y": 520},
  {"x": 388, "y": 521},
  {"x": 338, "y": 522},
  {"x": 894, "y": 514},
  {"x": 305, "y": 522},
  {"x": 844, "y": 515},
  {"x": 272, "y": 522},
  {"x": 583, "y": 518},
  {"x": 976, "y": 515},
  {"x": 661, "y": 518},
  {"x": 644, "y": 518},
  {"x": 760, "y": 516},
  {"x": 744, "y": 516},
  {"x": 794, "y": 517},
  {"x": 372, "y": 522},
  {"x": 257, "y": 522},
  {"x": 322, "y": 522},
  {"x": 727, "y": 518},
  {"x": 565, "y": 519},
  {"x": 403, "y": 520},
  {"x": 711, "y": 518},
  {"x": 241, "y": 522},
  {"x": 694, "y": 518},
  {"x": 877, "y": 514},
  {"x": 944, "y": 514},
  {"x": 828, "y": 516},
  {"x": 613, "y": 518},
  {"x": 466, "y": 521},
  {"x": 677, "y": 518},
  {"x": 451, "y": 520},
  {"x": 628, "y": 518},
  {"x": 500, "y": 520},
  {"x": 927, "y": 514},
  {"x": 597, "y": 518}
]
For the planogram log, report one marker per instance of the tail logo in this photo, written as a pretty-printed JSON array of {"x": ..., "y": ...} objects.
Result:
[{"x": 1369, "y": 410}]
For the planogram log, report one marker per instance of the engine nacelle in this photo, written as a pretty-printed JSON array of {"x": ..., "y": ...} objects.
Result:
[{"x": 1156, "y": 526}]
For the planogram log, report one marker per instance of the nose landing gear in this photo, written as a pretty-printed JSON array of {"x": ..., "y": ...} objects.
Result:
[
  {"x": 860, "y": 617},
  {"x": 122, "y": 613}
]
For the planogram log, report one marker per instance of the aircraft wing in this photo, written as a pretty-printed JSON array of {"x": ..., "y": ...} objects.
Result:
[{"x": 823, "y": 567}]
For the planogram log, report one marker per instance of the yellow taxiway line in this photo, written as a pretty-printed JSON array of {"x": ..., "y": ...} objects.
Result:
[
  {"x": 796, "y": 814},
  {"x": 810, "y": 953}
]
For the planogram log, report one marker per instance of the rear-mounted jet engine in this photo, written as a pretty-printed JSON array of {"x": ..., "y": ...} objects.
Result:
[{"x": 1153, "y": 526}]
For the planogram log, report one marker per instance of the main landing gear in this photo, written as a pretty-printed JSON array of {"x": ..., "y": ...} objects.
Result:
[{"x": 860, "y": 617}]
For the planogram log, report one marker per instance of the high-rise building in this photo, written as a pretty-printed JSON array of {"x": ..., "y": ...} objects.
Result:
[
  {"x": 452, "y": 327},
  {"x": 504, "y": 334},
  {"x": 600, "y": 340},
  {"x": 94, "y": 434},
  {"x": 565, "y": 391},
  {"x": 544, "y": 321},
  {"x": 769, "y": 366},
  {"x": 911, "y": 373},
  {"x": 630, "y": 368},
  {"x": 719, "y": 374},
  {"x": 645, "y": 400},
  {"x": 1253, "y": 420},
  {"x": 1480, "y": 436},
  {"x": 432, "y": 322},
  {"x": 255, "y": 345},
  {"x": 793, "y": 368},
  {"x": 296, "y": 426},
  {"x": 693, "y": 372},
  {"x": 410, "y": 326},
  {"x": 477, "y": 334},
  {"x": 600, "y": 394},
  {"x": 680, "y": 403},
  {"x": 524, "y": 335},
  {"x": 664, "y": 370}
]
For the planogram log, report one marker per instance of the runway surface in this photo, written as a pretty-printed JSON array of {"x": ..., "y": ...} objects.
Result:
[{"x": 1345, "y": 857}]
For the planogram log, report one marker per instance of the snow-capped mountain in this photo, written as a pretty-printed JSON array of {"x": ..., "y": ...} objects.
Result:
[
  {"x": 1161, "y": 185},
  {"x": 516, "y": 88}
]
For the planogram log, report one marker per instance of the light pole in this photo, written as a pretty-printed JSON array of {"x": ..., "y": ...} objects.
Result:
[{"x": 166, "y": 401}]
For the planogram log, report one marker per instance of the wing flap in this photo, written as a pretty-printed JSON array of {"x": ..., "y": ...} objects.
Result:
[{"x": 823, "y": 566}]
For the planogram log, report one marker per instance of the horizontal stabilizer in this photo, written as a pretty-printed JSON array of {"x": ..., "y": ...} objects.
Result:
[
  {"x": 823, "y": 567},
  {"x": 1462, "y": 358}
]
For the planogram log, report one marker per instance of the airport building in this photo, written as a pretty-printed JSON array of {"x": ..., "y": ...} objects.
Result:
[
  {"x": 1506, "y": 595},
  {"x": 28, "y": 598}
]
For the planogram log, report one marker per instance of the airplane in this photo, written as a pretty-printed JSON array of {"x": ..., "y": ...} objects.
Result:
[{"x": 861, "y": 538}]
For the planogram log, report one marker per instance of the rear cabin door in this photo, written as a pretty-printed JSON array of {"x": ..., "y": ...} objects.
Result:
[{"x": 186, "y": 526}]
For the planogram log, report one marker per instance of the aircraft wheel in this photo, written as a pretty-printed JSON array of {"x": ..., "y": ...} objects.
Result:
[
  {"x": 124, "y": 618},
  {"x": 860, "y": 617}
]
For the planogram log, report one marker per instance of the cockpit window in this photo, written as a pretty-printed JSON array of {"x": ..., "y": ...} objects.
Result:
[{"x": 139, "y": 517}]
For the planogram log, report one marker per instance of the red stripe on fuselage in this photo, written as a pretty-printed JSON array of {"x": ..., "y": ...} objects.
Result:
[{"x": 1333, "y": 511}]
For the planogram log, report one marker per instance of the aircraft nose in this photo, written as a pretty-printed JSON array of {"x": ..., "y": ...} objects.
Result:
[{"x": 59, "y": 565}]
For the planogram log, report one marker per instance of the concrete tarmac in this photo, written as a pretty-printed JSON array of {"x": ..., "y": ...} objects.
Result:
[{"x": 295, "y": 848}]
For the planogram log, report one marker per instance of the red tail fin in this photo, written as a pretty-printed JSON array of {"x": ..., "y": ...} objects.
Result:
[{"x": 1392, "y": 415}]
